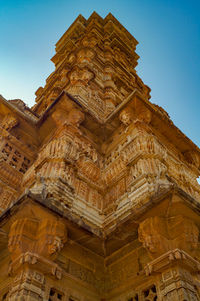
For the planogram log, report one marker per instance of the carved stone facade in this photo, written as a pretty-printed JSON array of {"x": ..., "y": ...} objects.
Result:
[{"x": 99, "y": 196}]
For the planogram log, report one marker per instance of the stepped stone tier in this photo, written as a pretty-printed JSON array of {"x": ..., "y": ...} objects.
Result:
[{"x": 99, "y": 196}]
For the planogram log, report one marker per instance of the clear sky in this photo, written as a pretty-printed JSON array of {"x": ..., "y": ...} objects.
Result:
[{"x": 169, "y": 47}]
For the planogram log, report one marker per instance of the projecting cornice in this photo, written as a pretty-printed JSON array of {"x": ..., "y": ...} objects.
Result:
[
  {"x": 160, "y": 119},
  {"x": 106, "y": 239}
]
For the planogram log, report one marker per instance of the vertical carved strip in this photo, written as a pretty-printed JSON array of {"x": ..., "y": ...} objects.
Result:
[
  {"x": 28, "y": 285},
  {"x": 177, "y": 284}
]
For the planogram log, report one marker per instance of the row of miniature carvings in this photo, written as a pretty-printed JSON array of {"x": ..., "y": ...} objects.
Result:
[
  {"x": 52, "y": 294},
  {"x": 139, "y": 145},
  {"x": 142, "y": 166},
  {"x": 83, "y": 57}
]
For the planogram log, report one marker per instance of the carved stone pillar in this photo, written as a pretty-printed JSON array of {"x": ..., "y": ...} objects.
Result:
[
  {"x": 177, "y": 283},
  {"x": 28, "y": 285},
  {"x": 33, "y": 246},
  {"x": 171, "y": 244}
]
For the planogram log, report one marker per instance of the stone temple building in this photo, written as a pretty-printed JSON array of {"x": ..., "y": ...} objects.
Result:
[{"x": 99, "y": 197}]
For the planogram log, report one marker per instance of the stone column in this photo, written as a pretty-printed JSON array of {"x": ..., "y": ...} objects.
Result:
[
  {"x": 28, "y": 284},
  {"x": 171, "y": 244},
  {"x": 177, "y": 283},
  {"x": 177, "y": 273},
  {"x": 33, "y": 247}
]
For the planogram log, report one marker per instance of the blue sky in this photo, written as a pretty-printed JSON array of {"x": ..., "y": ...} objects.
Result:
[{"x": 169, "y": 47}]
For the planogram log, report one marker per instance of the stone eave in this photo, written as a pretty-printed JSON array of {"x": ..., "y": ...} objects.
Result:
[
  {"x": 16, "y": 111},
  {"x": 140, "y": 214},
  {"x": 64, "y": 212},
  {"x": 168, "y": 123},
  {"x": 165, "y": 122},
  {"x": 104, "y": 240},
  {"x": 105, "y": 121},
  {"x": 45, "y": 114},
  {"x": 48, "y": 203}
]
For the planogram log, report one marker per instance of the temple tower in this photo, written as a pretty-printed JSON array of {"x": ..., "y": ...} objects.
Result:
[{"x": 99, "y": 197}]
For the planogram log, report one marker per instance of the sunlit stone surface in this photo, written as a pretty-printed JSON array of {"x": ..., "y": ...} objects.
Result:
[{"x": 99, "y": 196}]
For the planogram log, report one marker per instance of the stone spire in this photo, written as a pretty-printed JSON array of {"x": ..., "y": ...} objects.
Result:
[
  {"x": 99, "y": 197},
  {"x": 95, "y": 62}
]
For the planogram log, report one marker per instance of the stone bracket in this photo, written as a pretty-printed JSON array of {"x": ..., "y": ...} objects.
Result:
[
  {"x": 172, "y": 257},
  {"x": 40, "y": 263}
]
